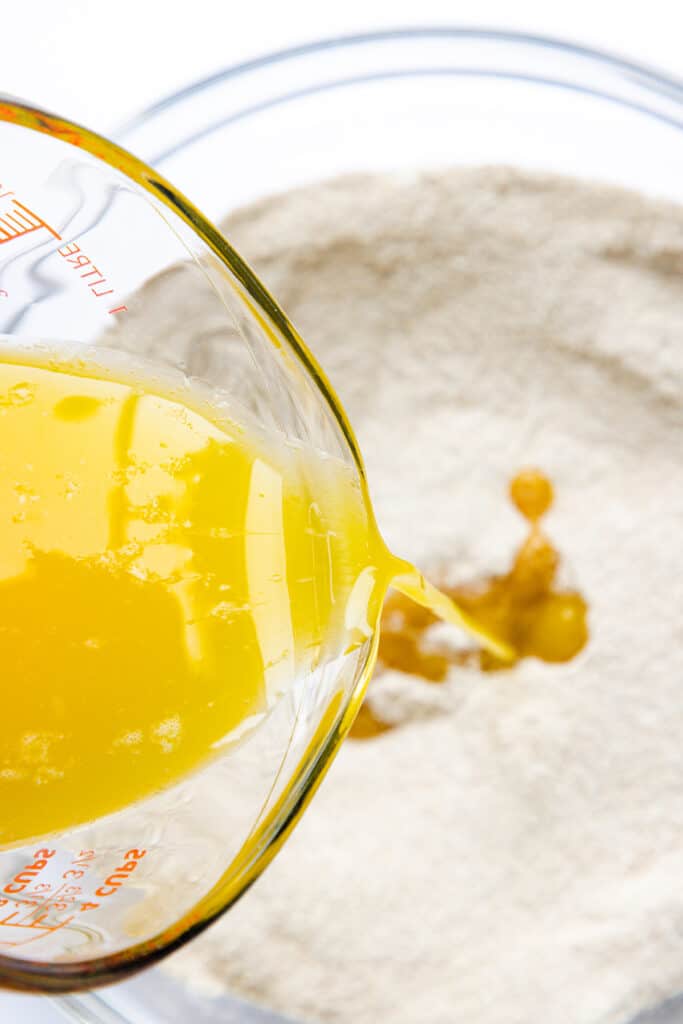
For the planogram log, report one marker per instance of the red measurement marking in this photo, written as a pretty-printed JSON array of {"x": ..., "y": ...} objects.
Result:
[
  {"x": 86, "y": 269},
  {"x": 17, "y": 220},
  {"x": 121, "y": 873},
  {"x": 29, "y": 927},
  {"x": 29, "y": 930},
  {"x": 24, "y": 878},
  {"x": 32, "y": 915}
]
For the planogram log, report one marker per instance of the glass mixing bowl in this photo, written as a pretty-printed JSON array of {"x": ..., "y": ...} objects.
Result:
[{"x": 398, "y": 101}]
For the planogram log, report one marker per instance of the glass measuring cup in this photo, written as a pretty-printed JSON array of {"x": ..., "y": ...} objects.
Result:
[{"x": 86, "y": 233}]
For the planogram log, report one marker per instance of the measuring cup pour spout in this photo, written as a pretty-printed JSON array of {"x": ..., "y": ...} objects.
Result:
[{"x": 87, "y": 234}]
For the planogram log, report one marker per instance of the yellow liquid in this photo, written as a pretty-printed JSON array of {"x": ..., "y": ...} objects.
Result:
[
  {"x": 524, "y": 608},
  {"x": 164, "y": 576}
]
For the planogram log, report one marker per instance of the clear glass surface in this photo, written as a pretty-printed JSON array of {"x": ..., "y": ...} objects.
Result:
[
  {"x": 406, "y": 100},
  {"x": 413, "y": 99},
  {"x": 399, "y": 101},
  {"x": 85, "y": 233}
]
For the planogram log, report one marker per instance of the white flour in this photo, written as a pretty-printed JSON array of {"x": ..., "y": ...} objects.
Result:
[{"x": 513, "y": 852}]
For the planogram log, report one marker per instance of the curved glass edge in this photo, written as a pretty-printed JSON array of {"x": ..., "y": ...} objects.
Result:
[
  {"x": 157, "y": 126},
  {"x": 654, "y": 76},
  {"x": 273, "y": 832},
  {"x": 26, "y": 116},
  {"x": 260, "y": 848},
  {"x": 663, "y": 91}
]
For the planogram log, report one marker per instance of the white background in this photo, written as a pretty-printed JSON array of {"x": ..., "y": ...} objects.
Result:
[{"x": 99, "y": 63}]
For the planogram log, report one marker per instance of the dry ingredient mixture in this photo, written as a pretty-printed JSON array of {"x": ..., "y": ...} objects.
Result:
[
  {"x": 523, "y": 607},
  {"x": 507, "y": 848}
]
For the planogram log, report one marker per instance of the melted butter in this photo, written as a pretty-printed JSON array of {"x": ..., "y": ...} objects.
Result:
[
  {"x": 524, "y": 608},
  {"x": 165, "y": 576}
]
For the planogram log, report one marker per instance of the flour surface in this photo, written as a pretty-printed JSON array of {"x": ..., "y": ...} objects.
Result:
[{"x": 512, "y": 852}]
